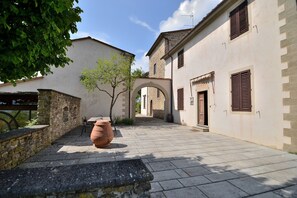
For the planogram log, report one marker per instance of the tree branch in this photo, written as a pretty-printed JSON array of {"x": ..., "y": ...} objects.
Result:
[
  {"x": 119, "y": 94},
  {"x": 103, "y": 90}
]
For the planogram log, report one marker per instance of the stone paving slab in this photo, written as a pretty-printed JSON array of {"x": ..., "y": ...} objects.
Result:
[{"x": 184, "y": 163}]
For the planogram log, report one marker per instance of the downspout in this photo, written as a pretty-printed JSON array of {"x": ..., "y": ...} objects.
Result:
[
  {"x": 171, "y": 92},
  {"x": 129, "y": 91}
]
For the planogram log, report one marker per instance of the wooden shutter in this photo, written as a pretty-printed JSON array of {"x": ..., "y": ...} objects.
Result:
[
  {"x": 239, "y": 20},
  {"x": 233, "y": 24},
  {"x": 180, "y": 99},
  {"x": 235, "y": 81},
  {"x": 241, "y": 91},
  {"x": 180, "y": 59},
  {"x": 246, "y": 91},
  {"x": 243, "y": 18}
]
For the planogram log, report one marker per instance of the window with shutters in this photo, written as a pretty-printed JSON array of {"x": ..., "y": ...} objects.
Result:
[
  {"x": 180, "y": 61},
  {"x": 180, "y": 99},
  {"x": 241, "y": 91},
  {"x": 239, "y": 23}
]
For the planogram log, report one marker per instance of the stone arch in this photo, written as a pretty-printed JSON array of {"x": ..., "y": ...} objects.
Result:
[{"x": 150, "y": 84}]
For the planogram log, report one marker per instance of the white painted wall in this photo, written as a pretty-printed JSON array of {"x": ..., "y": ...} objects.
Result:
[
  {"x": 84, "y": 54},
  {"x": 258, "y": 50},
  {"x": 144, "y": 105}
]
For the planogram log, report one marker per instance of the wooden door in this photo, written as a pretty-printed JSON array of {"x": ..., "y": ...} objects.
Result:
[{"x": 201, "y": 108}]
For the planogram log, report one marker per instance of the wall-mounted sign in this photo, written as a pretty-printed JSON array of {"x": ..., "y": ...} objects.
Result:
[{"x": 191, "y": 100}]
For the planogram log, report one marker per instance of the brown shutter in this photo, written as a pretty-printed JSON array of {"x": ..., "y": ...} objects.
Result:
[
  {"x": 233, "y": 24},
  {"x": 180, "y": 59},
  {"x": 180, "y": 99},
  {"x": 243, "y": 18},
  {"x": 239, "y": 20},
  {"x": 246, "y": 91},
  {"x": 235, "y": 81}
]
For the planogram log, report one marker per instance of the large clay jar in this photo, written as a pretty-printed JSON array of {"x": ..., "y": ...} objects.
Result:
[{"x": 102, "y": 133}]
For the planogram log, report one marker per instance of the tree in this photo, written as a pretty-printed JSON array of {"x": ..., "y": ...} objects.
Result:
[
  {"x": 34, "y": 36},
  {"x": 114, "y": 72},
  {"x": 139, "y": 73}
]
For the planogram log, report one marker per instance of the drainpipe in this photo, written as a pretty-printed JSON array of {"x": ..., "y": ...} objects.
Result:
[
  {"x": 171, "y": 92},
  {"x": 129, "y": 97}
]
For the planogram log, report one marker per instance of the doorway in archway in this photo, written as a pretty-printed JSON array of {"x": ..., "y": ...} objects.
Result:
[{"x": 149, "y": 102}]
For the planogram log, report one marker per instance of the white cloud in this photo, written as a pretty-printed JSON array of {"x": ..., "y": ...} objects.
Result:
[
  {"x": 143, "y": 24},
  {"x": 96, "y": 35},
  {"x": 142, "y": 63},
  {"x": 180, "y": 19}
]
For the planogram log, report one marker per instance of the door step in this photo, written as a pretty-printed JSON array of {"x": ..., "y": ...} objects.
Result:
[{"x": 200, "y": 128}]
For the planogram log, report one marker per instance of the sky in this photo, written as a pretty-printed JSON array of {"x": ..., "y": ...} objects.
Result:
[{"x": 134, "y": 25}]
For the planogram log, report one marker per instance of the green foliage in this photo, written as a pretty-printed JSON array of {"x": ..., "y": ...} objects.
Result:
[
  {"x": 128, "y": 121},
  {"x": 124, "y": 121},
  {"x": 138, "y": 107},
  {"x": 34, "y": 36},
  {"x": 114, "y": 72},
  {"x": 32, "y": 122},
  {"x": 139, "y": 73},
  {"x": 21, "y": 117}
]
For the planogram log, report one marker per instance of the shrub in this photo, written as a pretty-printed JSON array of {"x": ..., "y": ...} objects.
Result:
[{"x": 124, "y": 121}]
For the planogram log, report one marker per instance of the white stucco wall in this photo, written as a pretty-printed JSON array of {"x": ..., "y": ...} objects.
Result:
[
  {"x": 84, "y": 54},
  {"x": 144, "y": 107},
  {"x": 257, "y": 50}
]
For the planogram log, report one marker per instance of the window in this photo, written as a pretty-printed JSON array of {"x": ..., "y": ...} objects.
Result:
[
  {"x": 180, "y": 99},
  {"x": 158, "y": 93},
  {"x": 144, "y": 101},
  {"x": 239, "y": 23},
  {"x": 180, "y": 61},
  {"x": 155, "y": 68},
  {"x": 241, "y": 91}
]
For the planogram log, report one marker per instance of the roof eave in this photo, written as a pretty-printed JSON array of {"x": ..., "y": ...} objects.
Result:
[
  {"x": 88, "y": 37},
  {"x": 162, "y": 35},
  {"x": 211, "y": 16}
]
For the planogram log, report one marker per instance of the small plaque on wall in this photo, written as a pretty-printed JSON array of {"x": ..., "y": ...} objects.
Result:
[{"x": 191, "y": 100}]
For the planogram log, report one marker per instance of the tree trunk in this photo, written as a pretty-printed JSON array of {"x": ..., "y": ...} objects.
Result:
[{"x": 111, "y": 105}]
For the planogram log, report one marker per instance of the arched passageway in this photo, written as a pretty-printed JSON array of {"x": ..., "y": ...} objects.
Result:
[{"x": 161, "y": 84}]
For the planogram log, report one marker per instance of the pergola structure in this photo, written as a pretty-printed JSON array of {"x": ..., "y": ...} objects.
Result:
[{"x": 20, "y": 101}]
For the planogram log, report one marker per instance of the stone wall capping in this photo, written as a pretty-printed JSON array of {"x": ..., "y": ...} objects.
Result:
[
  {"x": 21, "y": 132},
  {"x": 58, "y": 92},
  {"x": 101, "y": 179}
]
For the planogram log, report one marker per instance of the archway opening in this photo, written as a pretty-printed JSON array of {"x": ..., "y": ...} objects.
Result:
[{"x": 151, "y": 101}]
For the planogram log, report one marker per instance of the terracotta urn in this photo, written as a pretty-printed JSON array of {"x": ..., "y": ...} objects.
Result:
[{"x": 102, "y": 133}]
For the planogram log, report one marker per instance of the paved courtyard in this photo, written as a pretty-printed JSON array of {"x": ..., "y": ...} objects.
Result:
[{"x": 184, "y": 162}]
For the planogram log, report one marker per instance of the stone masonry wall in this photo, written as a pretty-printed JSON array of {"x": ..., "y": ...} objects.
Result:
[
  {"x": 288, "y": 31},
  {"x": 58, "y": 113},
  {"x": 155, "y": 58},
  {"x": 170, "y": 39},
  {"x": 18, "y": 145}
]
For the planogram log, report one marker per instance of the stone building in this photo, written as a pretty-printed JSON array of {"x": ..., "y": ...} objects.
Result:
[{"x": 154, "y": 97}]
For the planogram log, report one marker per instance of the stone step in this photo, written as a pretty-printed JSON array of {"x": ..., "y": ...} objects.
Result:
[{"x": 200, "y": 128}]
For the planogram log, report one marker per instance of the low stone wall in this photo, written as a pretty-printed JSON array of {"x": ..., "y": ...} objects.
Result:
[
  {"x": 18, "y": 145},
  {"x": 58, "y": 113},
  {"x": 129, "y": 178},
  {"x": 158, "y": 113}
]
